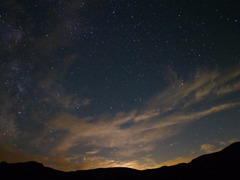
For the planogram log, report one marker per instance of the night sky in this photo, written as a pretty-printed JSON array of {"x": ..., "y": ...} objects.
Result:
[{"x": 106, "y": 83}]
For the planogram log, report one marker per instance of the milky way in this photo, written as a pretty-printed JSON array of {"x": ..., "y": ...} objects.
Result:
[{"x": 94, "y": 83}]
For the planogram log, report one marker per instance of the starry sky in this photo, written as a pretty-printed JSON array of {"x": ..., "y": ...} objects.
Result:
[{"x": 107, "y": 83}]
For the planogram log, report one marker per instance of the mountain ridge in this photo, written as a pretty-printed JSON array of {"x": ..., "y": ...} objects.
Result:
[{"x": 224, "y": 163}]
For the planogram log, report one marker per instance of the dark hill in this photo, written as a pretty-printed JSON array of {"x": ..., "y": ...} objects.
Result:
[
  {"x": 28, "y": 170},
  {"x": 223, "y": 164}
]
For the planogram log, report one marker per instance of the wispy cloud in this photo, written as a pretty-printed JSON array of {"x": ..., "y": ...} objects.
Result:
[
  {"x": 53, "y": 88},
  {"x": 93, "y": 152},
  {"x": 161, "y": 118},
  {"x": 125, "y": 138},
  {"x": 232, "y": 87}
]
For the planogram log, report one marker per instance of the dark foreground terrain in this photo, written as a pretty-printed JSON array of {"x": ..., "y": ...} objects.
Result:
[{"x": 223, "y": 164}]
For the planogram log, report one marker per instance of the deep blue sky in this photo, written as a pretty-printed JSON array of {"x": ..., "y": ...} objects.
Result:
[{"x": 96, "y": 83}]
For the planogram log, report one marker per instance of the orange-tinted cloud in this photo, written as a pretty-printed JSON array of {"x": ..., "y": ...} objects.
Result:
[
  {"x": 161, "y": 118},
  {"x": 129, "y": 138}
]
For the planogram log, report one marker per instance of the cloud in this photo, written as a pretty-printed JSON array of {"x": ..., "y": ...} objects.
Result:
[
  {"x": 235, "y": 86},
  {"x": 228, "y": 142},
  {"x": 206, "y": 83},
  {"x": 161, "y": 118},
  {"x": 146, "y": 115},
  {"x": 207, "y": 148},
  {"x": 125, "y": 134},
  {"x": 93, "y": 152},
  {"x": 220, "y": 84},
  {"x": 53, "y": 89},
  {"x": 133, "y": 134},
  {"x": 96, "y": 162}
]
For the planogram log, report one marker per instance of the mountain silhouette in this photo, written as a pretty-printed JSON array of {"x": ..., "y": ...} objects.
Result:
[{"x": 223, "y": 164}]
